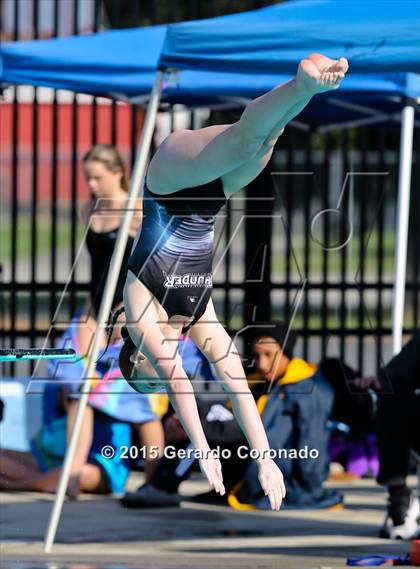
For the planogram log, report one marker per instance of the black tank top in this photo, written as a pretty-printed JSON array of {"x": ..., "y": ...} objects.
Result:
[{"x": 101, "y": 246}]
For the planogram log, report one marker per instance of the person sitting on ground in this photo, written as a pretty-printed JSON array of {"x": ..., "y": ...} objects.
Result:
[
  {"x": 111, "y": 413},
  {"x": 162, "y": 489},
  {"x": 295, "y": 402}
]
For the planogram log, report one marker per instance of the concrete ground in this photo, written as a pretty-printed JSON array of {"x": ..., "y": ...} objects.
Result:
[{"x": 97, "y": 533}]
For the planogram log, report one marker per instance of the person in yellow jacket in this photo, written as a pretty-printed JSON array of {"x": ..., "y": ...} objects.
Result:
[{"x": 295, "y": 402}]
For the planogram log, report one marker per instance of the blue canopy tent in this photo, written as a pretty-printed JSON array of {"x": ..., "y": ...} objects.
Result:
[
  {"x": 375, "y": 38},
  {"x": 123, "y": 63},
  {"x": 240, "y": 55}
]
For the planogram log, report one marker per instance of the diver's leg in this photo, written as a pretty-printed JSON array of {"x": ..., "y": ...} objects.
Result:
[{"x": 190, "y": 158}]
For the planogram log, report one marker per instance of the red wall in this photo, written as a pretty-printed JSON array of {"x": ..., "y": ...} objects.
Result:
[{"x": 44, "y": 148}]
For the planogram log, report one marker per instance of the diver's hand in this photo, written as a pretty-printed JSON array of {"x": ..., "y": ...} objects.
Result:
[
  {"x": 212, "y": 470},
  {"x": 271, "y": 480}
]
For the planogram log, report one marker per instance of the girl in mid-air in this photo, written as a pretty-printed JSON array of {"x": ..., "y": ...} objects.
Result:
[{"x": 169, "y": 281}]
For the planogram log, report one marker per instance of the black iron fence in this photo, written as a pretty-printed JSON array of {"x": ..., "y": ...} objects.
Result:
[{"x": 331, "y": 274}]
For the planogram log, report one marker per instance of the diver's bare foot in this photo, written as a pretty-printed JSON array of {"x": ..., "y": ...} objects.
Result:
[{"x": 318, "y": 73}]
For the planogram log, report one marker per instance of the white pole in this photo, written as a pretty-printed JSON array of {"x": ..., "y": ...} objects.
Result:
[
  {"x": 136, "y": 191},
  {"x": 403, "y": 209}
]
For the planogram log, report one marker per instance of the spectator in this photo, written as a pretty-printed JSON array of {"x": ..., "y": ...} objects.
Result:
[
  {"x": 103, "y": 213},
  {"x": 113, "y": 408},
  {"x": 105, "y": 175},
  {"x": 398, "y": 429},
  {"x": 295, "y": 402},
  {"x": 162, "y": 489}
]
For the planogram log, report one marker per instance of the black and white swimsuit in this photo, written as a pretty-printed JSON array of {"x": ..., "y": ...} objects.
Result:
[{"x": 174, "y": 253}]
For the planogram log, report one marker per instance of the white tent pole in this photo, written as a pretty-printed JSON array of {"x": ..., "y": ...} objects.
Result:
[
  {"x": 403, "y": 208},
  {"x": 136, "y": 191}
]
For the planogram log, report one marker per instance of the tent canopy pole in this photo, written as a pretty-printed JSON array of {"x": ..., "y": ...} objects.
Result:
[
  {"x": 135, "y": 192},
  {"x": 403, "y": 208}
]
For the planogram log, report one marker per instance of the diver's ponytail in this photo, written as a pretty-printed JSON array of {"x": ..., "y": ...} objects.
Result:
[{"x": 115, "y": 314}]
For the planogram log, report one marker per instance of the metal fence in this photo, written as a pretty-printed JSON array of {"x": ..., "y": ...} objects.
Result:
[{"x": 276, "y": 256}]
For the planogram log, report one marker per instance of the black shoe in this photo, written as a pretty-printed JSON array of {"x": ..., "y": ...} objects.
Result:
[
  {"x": 148, "y": 496},
  {"x": 211, "y": 498}
]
